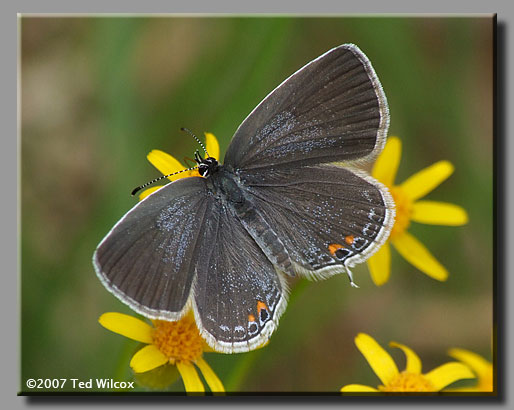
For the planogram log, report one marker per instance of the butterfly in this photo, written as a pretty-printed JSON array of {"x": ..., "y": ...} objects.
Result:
[{"x": 289, "y": 199}]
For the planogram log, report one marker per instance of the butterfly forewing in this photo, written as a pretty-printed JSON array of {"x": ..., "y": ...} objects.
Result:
[
  {"x": 333, "y": 109},
  {"x": 148, "y": 258}
]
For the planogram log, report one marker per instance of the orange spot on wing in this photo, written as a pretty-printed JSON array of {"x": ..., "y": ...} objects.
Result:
[
  {"x": 333, "y": 247},
  {"x": 251, "y": 318},
  {"x": 261, "y": 305},
  {"x": 349, "y": 239}
]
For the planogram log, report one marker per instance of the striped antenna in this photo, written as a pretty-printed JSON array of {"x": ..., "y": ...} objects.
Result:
[
  {"x": 197, "y": 159},
  {"x": 135, "y": 190},
  {"x": 196, "y": 138}
]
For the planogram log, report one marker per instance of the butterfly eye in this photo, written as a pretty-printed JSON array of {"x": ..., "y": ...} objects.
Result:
[
  {"x": 203, "y": 170},
  {"x": 207, "y": 166}
]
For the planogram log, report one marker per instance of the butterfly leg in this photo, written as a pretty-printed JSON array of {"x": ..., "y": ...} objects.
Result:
[{"x": 350, "y": 276}]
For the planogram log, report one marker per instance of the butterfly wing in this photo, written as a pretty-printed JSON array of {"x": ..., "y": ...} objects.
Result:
[
  {"x": 184, "y": 245},
  {"x": 332, "y": 109},
  {"x": 182, "y": 248},
  {"x": 239, "y": 296},
  {"x": 328, "y": 217},
  {"x": 147, "y": 260}
]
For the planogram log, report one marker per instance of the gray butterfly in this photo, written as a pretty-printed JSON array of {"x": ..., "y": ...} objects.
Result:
[{"x": 288, "y": 200}]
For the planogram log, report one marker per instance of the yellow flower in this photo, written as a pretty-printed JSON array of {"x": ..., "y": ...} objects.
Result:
[
  {"x": 178, "y": 343},
  {"x": 409, "y": 380},
  {"x": 481, "y": 367},
  {"x": 410, "y": 209},
  {"x": 167, "y": 164}
]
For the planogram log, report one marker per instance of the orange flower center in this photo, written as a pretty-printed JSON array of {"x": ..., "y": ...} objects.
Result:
[
  {"x": 406, "y": 381},
  {"x": 403, "y": 211},
  {"x": 178, "y": 340}
]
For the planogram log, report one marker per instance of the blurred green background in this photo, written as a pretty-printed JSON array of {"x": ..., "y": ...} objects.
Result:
[{"x": 97, "y": 94}]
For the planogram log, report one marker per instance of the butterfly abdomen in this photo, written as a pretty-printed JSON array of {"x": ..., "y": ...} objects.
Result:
[
  {"x": 254, "y": 223},
  {"x": 264, "y": 235}
]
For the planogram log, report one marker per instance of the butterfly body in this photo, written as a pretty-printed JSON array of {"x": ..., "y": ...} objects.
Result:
[
  {"x": 229, "y": 189},
  {"x": 289, "y": 199}
]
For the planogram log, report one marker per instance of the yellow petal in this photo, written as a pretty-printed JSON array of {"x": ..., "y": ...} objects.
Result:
[
  {"x": 210, "y": 377},
  {"x": 350, "y": 388},
  {"x": 414, "y": 252},
  {"x": 165, "y": 163},
  {"x": 448, "y": 373},
  {"x": 413, "y": 360},
  {"x": 149, "y": 191},
  {"x": 424, "y": 181},
  {"x": 212, "y": 145},
  {"x": 477, "y": 363},
  {"x": 190, "y": 377},
  {"x": 148, "y": 358},
  {"x": 438, "y": 213},
  {"x": 127, "y": 326},
  {"x": 379, "y": 360},
  {"x": 386, "y": 165},
  {"x": 379, "y": 265}
]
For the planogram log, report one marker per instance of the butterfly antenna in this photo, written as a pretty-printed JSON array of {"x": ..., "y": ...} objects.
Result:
[
  {"x": 135, "y": 190},
  {"x": 197, "y": 139},
  {"x": 197, "y": 159}
]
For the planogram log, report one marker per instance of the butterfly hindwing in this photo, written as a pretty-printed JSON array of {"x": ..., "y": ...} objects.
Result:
[
  {"x": 238, "y": 296},
  {"x": 328, "y": 217}
]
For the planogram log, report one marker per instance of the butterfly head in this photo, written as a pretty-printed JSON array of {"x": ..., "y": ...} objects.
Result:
[{"x": 206, "y": 166}]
